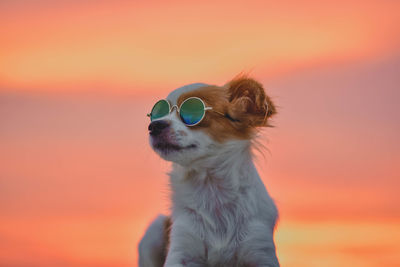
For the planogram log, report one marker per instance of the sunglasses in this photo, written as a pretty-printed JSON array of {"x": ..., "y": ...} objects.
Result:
[{"x": 191, "y": 111}]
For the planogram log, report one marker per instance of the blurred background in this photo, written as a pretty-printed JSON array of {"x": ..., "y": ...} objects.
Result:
[{"x": 78, "y": 181}]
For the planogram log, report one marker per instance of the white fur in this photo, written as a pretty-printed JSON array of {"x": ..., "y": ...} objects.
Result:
[
  {"x": 174, "y": 95},
  {"x": 222, "y": 214},
  {"x": 152, "y": 245}
]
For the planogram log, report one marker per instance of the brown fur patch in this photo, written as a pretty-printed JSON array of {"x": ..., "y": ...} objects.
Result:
[
  {"x": 250, "y": 101},
  {"x": 237, "y": 109}
]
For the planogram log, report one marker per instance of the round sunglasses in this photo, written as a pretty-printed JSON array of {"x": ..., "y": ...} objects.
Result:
[{"x": 191, "y": 111}]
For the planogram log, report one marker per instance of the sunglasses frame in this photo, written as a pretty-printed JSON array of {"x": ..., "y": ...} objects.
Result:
[{"x": 178, "y": 109}]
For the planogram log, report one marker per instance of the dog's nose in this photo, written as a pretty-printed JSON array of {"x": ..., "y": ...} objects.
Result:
[{"x": 156, "y": 127}]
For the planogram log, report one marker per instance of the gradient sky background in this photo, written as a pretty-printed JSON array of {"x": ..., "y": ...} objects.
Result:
[{"x": 78, "y": 181}]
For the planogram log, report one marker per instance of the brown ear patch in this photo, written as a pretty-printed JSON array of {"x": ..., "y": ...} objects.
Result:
[
  {"x": 249, "y": 103},
  {"x": 238, "y": 108}
]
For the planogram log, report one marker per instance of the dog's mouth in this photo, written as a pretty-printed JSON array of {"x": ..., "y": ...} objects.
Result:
[{"x": 167, "y": 148}]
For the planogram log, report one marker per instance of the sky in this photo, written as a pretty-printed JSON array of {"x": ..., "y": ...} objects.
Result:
[{"x": 78, "y": 181}]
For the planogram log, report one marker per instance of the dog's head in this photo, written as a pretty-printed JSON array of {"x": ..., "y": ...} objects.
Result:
[{"x": 232, "y": 113}]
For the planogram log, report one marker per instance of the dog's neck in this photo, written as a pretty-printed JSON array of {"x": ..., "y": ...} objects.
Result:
[
  {"x": 223, "y": 182},
  {"x": 232, "y": 166}
]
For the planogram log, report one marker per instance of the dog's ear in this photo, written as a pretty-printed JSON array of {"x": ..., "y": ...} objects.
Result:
[{"x": 248, "y": 103}]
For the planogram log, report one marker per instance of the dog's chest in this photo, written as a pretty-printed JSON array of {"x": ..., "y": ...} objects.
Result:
[{"x": 217, "y": 209}]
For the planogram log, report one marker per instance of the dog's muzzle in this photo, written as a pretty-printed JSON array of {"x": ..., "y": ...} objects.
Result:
[{"x": 156, "y": 127}]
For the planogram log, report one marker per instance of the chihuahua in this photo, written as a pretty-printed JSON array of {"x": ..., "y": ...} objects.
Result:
[{"x": 221, "y": 213}]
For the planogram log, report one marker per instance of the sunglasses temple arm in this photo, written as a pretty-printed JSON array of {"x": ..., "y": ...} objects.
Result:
[
  {"x": 220, "y": 113},
  {"x": 227, "y": 116}
]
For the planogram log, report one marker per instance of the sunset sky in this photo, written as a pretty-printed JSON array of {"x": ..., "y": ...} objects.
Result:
[{"x": 78, "y": 181}]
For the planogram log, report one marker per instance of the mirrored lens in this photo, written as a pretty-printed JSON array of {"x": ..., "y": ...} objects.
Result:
[
  {"x": 160, "y": 109},
  {"x": 192, "y": 111}
]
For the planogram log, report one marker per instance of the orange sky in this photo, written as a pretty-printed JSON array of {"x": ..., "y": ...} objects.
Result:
[
  {"x": 122, "y": 45},
  {"x": 78, "y": 181}
]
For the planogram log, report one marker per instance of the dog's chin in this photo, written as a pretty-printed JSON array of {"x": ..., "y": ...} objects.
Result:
[{"x": 173, "y": 152}]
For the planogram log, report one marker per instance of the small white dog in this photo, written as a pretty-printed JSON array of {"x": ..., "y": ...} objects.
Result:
[{"x": 222, "y": 214}]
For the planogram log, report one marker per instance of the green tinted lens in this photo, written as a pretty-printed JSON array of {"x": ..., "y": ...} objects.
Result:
[
  {"x": 192, "y": 111},
  {"x": 160, "y": 109}
]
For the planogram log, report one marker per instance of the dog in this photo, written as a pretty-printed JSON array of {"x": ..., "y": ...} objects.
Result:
[{"x": 221, "y": 214}]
